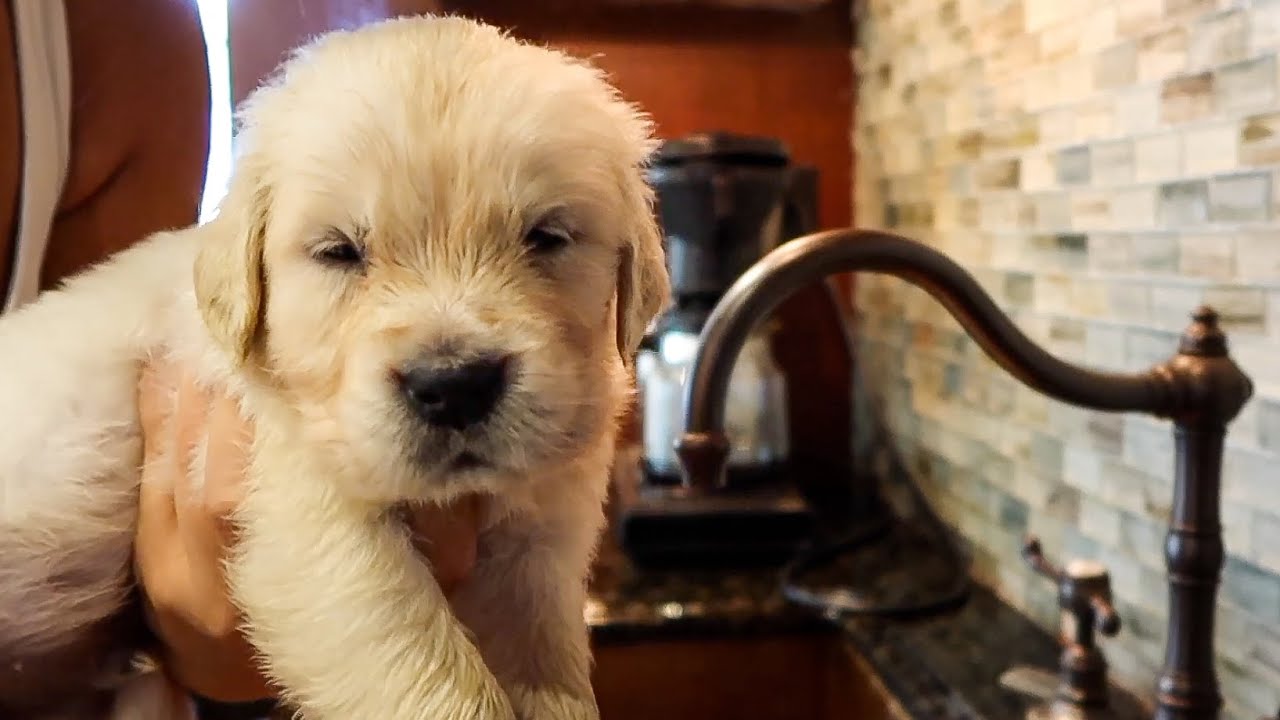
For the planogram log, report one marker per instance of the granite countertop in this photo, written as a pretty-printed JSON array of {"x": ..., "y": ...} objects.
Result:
[{"x": 938, "y": 667}]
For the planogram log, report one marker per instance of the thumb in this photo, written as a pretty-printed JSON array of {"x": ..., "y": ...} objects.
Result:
[
  {"x": 447, "y": 535},
  {"x": 157, "y": 517}
]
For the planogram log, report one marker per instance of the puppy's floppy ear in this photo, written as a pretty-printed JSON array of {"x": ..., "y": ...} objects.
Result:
[
  {"x": 229, "y": 280},
  {"x": 644, "y": 287}
]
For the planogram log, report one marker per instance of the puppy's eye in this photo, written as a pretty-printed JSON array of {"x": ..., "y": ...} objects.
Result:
[
  {"x": 340, "y": 252},
  {"x": 545, "y": 239}
]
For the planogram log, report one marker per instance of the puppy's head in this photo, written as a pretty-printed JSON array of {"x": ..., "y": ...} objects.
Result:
[{"x": 438, "y": 246}]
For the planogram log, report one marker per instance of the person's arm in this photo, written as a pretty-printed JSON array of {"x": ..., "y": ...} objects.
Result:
[
  {"x": 140, "y": 104},
  {"x": 10, "y": 141},
  {"x": 140, "y": 128}
]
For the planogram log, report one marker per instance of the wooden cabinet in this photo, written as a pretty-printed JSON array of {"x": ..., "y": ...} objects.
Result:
[{"x": 782, "y": 677}]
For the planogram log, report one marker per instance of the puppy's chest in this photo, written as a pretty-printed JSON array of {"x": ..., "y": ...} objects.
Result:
[
  {"x": 556, "y": 518},
  {"x": 571, "y": 496}
]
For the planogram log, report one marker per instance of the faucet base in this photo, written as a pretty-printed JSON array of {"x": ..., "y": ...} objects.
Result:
[
  {"x": 1040, "y": 688},
  {"x": 1061, "y": 710}
]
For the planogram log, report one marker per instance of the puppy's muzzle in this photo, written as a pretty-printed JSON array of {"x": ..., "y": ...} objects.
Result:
[{"x": 456, "y": 396}]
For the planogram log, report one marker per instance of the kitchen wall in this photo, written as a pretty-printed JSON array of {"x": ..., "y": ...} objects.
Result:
[{"x": 1102, "y": 168}]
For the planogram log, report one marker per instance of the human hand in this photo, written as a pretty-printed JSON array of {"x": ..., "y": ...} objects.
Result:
[{"x": 183, "y": 535}]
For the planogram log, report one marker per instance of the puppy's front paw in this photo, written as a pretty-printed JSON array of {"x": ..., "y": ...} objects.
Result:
[{"x": 552, "y": 703}]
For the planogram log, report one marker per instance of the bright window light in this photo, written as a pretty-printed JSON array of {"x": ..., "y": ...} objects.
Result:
[{"x": 213, "y": 16}]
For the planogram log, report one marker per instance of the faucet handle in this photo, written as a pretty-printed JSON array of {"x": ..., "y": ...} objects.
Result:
[
  {"x": 1084, "y": 586},
  {"x": 1084, "y": 591},
  {"x": 1034, "y": 555},
  {"x": 1106, "y": 619}
]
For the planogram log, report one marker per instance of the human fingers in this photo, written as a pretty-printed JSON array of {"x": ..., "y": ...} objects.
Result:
[
  {"x": 448, "y": 535},
  {"x": 227, "y": 438},
  {"x": 180, "y": 547},
  {"x": 199, "y": 530},
  {"x": 155, "y": 552}
]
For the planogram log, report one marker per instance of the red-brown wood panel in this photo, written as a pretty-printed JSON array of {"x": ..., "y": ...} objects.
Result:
[
  {"x": 779, "y": 73},
  {"x": 262, "y": 32},
  {"x": 695, "y": 68}
]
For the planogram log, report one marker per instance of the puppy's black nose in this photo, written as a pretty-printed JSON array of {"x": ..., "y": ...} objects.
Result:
[{"x": 456, "y": 397}]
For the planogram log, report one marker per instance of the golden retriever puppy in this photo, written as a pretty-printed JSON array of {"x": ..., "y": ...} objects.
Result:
[{"x": 434, "y": 263}]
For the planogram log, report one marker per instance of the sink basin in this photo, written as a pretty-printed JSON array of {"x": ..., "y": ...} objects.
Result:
[{"x": 774, "y": 677}]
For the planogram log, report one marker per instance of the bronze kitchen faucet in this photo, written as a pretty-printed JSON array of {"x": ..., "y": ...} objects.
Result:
[{"x": 1200, "y": 389}]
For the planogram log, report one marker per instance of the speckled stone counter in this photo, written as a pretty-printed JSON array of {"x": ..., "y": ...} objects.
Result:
[{"x": 939, "y": 667}]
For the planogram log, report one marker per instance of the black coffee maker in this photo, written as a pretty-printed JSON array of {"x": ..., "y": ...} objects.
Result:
[{"x": 724, "y": 201}]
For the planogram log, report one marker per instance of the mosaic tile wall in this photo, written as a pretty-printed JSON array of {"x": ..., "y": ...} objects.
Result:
[{"x": 1101, "y": 168}]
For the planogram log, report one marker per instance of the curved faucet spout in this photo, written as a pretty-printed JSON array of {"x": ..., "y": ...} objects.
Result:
[
  {"x": 1201, "y": 389},
  {"x": 808, "y": 259}
]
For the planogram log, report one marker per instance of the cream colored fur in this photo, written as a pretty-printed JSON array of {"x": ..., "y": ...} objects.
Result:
[{"x": 437, "y": 144}]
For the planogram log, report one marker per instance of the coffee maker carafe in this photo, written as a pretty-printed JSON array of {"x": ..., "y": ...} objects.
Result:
[{"x": 724, "y": 201}]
